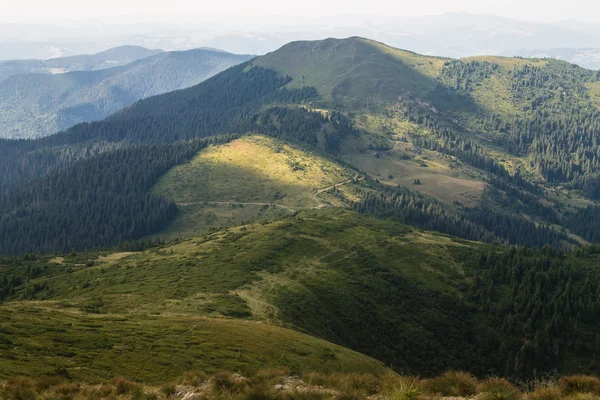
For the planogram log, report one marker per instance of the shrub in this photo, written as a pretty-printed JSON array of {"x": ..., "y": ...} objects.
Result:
[
  {"x": 316, "y": 379},
  {"x": 123, "y": 386},
  {"x": 451, "y": 383},
  {"x": 400, "y": 388},
  {"x": 45, "y": 382},
  {"x": 352, "y": 395},
  {"x": 194, "y": 378},
  {"x": 168, "y": 390},
  {"x": 352, "y": 383},
  {"x": 223, "y": 381},
  {"x": 575, "y": 384},
  {"x": 581, "y": 396},
  {"x": 498, "y": 389},
  {"x": 226, "y": 384},
  {"x": 312, "y": 394},
  {"x": 19, "y": 388},
  {"x": 270, "y": 375},
  {"x": 63, "y": 391},
  {"x": 97, "y": 392},
  {"x": 546, "y": 393},
  {"x": 262, "y": 391}
]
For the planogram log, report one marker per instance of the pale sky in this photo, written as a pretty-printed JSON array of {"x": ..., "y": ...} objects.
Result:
[{"x": 53, "y": 11}]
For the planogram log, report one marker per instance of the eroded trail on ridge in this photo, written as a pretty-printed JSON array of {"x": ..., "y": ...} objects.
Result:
[{"x": 315, "y": 195}]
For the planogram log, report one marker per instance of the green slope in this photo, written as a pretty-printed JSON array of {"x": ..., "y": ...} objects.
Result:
[
  {"x": 418, "y": 301},
  {"x": 355, "y": 72},
  {"x": 249, "y": 179},
  {"x": 43, "y": 338}
]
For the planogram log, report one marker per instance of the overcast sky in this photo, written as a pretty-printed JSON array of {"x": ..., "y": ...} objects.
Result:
[{"x": 53, "y": 11}]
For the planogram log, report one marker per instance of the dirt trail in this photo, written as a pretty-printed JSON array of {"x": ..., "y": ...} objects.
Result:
[
  {"x": 227, "y": 203},
  {"x": 314, "y": 195}
]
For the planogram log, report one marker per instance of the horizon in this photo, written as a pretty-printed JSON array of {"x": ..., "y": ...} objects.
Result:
[{"x": 22, "y": 14}]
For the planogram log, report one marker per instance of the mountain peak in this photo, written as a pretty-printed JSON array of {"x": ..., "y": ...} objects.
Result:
[{"x": 353, "y": 69}]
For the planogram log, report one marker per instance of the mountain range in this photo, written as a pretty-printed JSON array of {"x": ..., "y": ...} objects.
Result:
[
  {"x": 106, "y": 59},
  {"x": 39, "y": 104},
  {"x": 363, "y": 207},
  {"x": 454, "y": 35}
]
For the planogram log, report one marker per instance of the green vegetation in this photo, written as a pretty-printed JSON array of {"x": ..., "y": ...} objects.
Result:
[
  {"x": 267, "y": 152},
  {"x": 36, "y": 105},
  {"x": 460, "y": 127},
  {"x": 249, "y": 179},
  {"x": 41, "y": 338},
  {"x": 280, "y": 384},
  {"x": 395, "y": 293},
  {"x": 355, "y": 72}
]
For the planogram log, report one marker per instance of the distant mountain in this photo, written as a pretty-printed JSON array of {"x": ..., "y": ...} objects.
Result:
[
  {"x": 454, "y": 35},
  {"x": 587, "y": 58},
  {"x": 107, "y": 59},
  {"x": 36, "y": 105}
]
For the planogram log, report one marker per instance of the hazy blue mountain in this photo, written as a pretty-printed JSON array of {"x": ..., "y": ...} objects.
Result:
[
  {"x": 36, "y": 105},
  {"x": 453, "y": 35},
  {"x": 587, "y": 57},
  {"x": 114, "y": 57}
]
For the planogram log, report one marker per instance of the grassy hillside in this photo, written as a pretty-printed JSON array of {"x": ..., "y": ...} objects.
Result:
[
  {"x": 418, "y": 301},
  {"x": 356, "y": 73},
  {"x": 253, "y": 178},
  {"x": 44, "y": 338}
]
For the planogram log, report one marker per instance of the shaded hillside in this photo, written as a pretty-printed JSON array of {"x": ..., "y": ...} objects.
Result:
[
  {"x": 35, "y": 105},
  {"x": 418, "y": 301}
]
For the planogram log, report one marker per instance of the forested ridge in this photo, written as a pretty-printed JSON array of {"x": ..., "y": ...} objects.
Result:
[
  {"x": 550, "y": 123},
  {"x": 554, "y": 122},
  {"x": 90, "y": 186},
  {"x": 480, "y": 223}
]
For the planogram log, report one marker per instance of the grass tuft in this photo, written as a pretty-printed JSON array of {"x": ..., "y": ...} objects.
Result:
[
  {"x": 452, "y": 383},
  {"x": 498, "y": 389},
  {"x": 579, "y": 384}
]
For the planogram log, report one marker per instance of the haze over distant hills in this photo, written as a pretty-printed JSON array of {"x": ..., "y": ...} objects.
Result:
[
  {"x": 36, "y": 105},
  {"x": 88, "y": 62},
  {"x": 450, "y": 35}
]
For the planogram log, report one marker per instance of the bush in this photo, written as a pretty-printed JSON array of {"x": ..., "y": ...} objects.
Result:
[
  {"x": 451, "y": 383},
  {"x": 262, "y": 391},
  {"x": 351, "y": 383},
  {"x": 270, "y": 375},
  {"x": 546, "y": 393},
  {"x": 123, "y": 386},
  {"x": 316, "y": 379},
  {"x": 168, "y": 390},
  {"x": 63, "y": 391},
  {"x": 575, "y": 384},
  {"x": 45, "y": 382},
  {"x": 352, "y": 395},
  {"x": 307, "y": 395},
  {"x": 498, "y": 389},
  {"x": 225, "y": 383},
  {"x": 194, "y": 378},
  {"x": 400, "y": 388},
  {"x": 19, "y": 388}
]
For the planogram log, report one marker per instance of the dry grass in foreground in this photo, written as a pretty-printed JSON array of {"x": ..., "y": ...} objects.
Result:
[{"x": 280, "y": 385}]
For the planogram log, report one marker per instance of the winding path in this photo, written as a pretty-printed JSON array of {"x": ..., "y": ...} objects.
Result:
[{"x": 314, "y": 195}]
